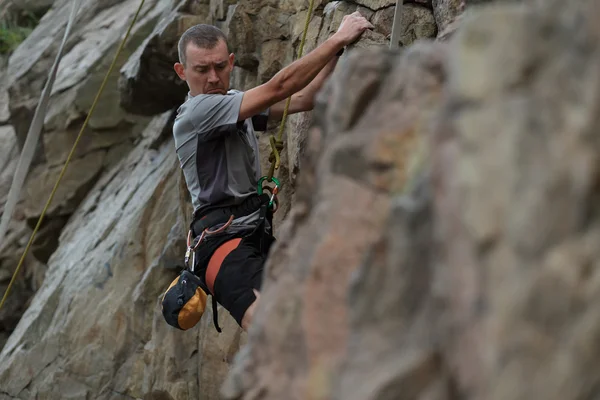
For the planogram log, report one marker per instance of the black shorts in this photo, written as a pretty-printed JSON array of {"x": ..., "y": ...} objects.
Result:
[{"x": 240, "y": 272}]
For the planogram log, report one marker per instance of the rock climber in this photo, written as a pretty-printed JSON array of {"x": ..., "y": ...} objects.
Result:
[{"x": 219, "y": 155}]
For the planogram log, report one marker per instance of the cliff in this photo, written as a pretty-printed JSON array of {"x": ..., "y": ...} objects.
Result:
[{"x": 438, "y": 227}]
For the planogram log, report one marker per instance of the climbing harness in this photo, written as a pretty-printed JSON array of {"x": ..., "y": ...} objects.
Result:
[
  {"x": 184, "y": 301},
  {"x": 37, "y": 124},
  {"x": 192, "y": 250}
]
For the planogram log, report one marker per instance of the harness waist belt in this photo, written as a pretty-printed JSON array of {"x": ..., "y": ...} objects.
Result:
[{"x": 222, "y": 215}]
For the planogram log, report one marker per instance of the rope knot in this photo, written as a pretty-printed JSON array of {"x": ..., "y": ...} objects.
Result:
[{"x": 276, "y": 147}]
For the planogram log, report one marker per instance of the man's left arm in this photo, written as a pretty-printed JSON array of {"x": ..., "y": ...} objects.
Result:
[{"x": 304, "y": 100}]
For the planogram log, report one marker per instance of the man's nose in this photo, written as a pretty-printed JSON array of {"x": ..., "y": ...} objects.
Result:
[{"x": 213, "y": 77}]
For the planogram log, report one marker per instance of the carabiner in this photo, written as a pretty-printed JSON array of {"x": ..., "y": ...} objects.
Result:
[{"x": 275, "y": 189}]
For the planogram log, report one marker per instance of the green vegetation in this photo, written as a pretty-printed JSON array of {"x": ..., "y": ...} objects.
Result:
[{"x": 14, "y": 29}]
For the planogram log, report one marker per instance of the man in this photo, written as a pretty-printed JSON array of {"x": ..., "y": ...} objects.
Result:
[{"x": 218, "y": 152}]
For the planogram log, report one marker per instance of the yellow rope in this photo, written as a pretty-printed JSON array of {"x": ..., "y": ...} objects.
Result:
[
  {"x": 275, "y": 157},
  {"x": 62, "y": 173}
]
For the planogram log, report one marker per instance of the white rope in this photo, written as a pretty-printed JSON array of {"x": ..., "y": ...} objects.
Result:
[{"x": 395, "y": 39}]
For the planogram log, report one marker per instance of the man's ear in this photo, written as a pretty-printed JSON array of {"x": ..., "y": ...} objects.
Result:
[
  {"x": 180, "y": 69},
  {"x": 231, "y": 60}
]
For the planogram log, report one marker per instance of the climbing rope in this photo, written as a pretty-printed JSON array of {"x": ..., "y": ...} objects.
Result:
[
  {"x": 277, "y": 143},
  {"x": 114, "y": 61}
]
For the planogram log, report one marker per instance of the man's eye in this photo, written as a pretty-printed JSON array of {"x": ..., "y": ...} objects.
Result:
[
  {"x": 202, "y": 70},
  {"x": 220, "y": 66}
]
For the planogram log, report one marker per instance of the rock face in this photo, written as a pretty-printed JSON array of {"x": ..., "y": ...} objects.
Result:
[
  {"x": 520, "y": 222},
  {"x": 444, "y": 243},
  {"x": 363, "y": 152},
  {"x": 116, "y": 263},
  {"x": 440, "y": 225},
  {"x": 110, "y": 135},
  {"x": 448, "y": 13},
  {"x": 114, "y": 235},
  {"x": 33, "y": 6}
]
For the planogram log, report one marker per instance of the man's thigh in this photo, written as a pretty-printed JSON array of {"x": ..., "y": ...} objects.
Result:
[{"x": 240, "y": 272}]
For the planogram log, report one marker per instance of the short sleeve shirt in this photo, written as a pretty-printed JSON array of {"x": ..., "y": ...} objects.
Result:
[{"x": 219, "y": 155}]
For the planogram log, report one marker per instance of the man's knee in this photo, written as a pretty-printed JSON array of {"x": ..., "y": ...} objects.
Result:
[{"x": 249, "y": 314}]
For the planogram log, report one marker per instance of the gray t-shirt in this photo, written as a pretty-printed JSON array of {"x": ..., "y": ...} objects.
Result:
[{"x": 219, "y": 156}]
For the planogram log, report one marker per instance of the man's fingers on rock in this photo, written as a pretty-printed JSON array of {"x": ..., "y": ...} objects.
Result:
[{"x": 364, "y": 21}]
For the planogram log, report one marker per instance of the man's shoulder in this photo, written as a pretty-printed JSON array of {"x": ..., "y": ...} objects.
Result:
[
  {"x": 206, "y": 112},
  {"x": 204, "y": 97},
  {"x": 208, "y": 100},
  {"x": 200, "y": 100}
]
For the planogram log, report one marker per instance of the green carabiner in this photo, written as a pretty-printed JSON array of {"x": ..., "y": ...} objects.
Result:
[{"x": 275, "y": 190}]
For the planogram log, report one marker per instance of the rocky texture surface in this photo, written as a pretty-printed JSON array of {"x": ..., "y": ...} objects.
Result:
[
  {"x": 14, "y": 243},
  {"x": 363, "y": 151},
  {"x": 448, "y": 13},
  {"x": 111, "y": 134},
  {"x": 113, "y": 236},
  {"x": 95, "y": 327},
  {"x": 521, "y": 222},
  {"x": 32, "y": 6},
  {"x": 404, "y": 270},
  {"x": 444, "y": 242}
]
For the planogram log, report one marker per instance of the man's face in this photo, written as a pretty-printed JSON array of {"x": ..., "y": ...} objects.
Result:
[{"x": 206, "y": 71}]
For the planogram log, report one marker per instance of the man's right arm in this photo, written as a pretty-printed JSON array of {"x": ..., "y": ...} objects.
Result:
[{"x": 301, "y": 72}]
